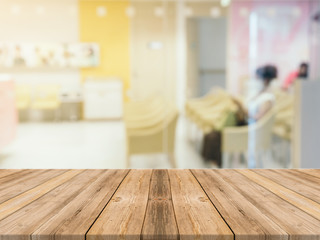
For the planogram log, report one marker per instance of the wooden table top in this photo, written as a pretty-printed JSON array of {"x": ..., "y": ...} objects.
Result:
[{"x": 159, "y": 204}]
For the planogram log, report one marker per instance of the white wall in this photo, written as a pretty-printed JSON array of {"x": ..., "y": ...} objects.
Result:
[{"x": 42, "y": 21}]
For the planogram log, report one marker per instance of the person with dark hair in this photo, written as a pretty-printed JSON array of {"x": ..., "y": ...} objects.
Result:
[
  {"x": 303, "y": 70},
  {"x": 260, "y": 104},
  {"x": 302, "y": 73},
  {"x": 250, "y": 112}
]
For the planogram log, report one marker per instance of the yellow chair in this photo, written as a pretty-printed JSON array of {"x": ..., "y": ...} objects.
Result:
[
  {"x": 23, "y": 97},
  {"x": 144, "y": 110},
  {"x": 212, "y": 112},
  {"x": 23, "y": 101},
  {"x": 46, "y": 97},
  {"x": 255, "y": 139},
  {"x": 152, "y": 133},
  {"x": 196, "y": 106}
]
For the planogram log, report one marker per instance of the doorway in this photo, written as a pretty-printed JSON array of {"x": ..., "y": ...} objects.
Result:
[{"x": 206, "y": 55}]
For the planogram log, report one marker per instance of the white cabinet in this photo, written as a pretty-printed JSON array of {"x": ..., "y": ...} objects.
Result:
[{"x": 103, "y": 99}]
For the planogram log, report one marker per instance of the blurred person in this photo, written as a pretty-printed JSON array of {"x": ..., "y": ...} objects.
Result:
[
  {"x": 249, "y": 112},
  {"x": 18, "y": 59},
  {"x": 301, "y": 73},
  {"x": 260, "y": 104}
]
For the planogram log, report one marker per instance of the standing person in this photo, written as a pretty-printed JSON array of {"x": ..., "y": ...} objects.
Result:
[{"x": 302, "y": 73}]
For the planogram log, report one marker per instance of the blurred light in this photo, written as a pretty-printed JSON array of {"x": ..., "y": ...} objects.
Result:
[
  {"x": 159, "y": 12},
  {"x": 188, "y": 11},
  {"x": 15, "y": 9},
  {"x": 215, "y": 12},
  {"x": 244, "y": 12},
  {"x": 40, "y": 10},
  {"x": 155, "y": 45},
  {"x": 130, "y": 11},
  {"x": 296, "y": 11},
  {"x": 101, "y": 11},
  {"x": 225, "y": 3},
  {"x": 271, "y": 12}
]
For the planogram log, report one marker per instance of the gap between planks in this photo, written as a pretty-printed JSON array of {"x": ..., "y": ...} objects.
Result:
[
  {"x": 85, "y": 235},
  {"x": 234, "y": 236}
]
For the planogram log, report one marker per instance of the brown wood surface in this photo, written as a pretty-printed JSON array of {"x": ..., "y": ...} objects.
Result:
[
  {"x": 160, "y": 220},
  {"x": 195, "y": 214},
  {"x": 159, "y": 204}
]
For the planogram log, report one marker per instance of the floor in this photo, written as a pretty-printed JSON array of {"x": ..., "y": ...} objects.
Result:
[{"x": 91, "y": 145}]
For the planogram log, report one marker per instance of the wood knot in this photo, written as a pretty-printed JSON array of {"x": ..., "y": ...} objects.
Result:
[
  {"x": 160, "y": 199},
  {"x": 117, "y": 199},
  {"x": 203, "y": 199}
]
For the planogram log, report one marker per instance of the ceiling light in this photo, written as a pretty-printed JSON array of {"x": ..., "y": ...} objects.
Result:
[
  {"x": 101, "y": 11},
  {"x": 225, "y": 3},
  {"x": 271, "y": 12},
  {"x": 244, "y": 12},
  {"x": 215, "y": 12},
  {"x": 188, "y": 11},
  {"x": 130, "y": 11},
  {"x": 296, "y": 11},
  {"x": 15, "y": 9},
  {"x": 40, "y": 10},
  {"x": 159, "y": 11}
]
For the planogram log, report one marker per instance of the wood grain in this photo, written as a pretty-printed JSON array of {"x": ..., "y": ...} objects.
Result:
[
  {"x": 160, "y": 220},
  {"x": 309, "y": 206},
  {"x": 6, "y": 172},
  {"x": 123, "y": 217},
  {"x": 21, "y": 224},
  {"x": 159, "y": 204},
  {"x": 74, "y": 220},
  {"x": 312, "y": 172},
  {"x": 24, "y": 181},
  {"x": 9, "y": 176},
  {"x": 17, "y": 202},
  {"x": 303, "y": 184},
  {"x": 196, "y": 217},
  {"x": 243, "y": 217},
  {"x": 297, "y": 223}
]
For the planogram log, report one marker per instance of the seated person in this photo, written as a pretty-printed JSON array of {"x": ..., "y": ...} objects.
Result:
[
  {"x": 254, "y": 109},
  {"x": 302, "y": 73},
  {"x": 260, "y": 104}
]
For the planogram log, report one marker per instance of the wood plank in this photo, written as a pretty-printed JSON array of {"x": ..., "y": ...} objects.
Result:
[
  {"x": 10, "y": 206},
  {"x": 312, "y": 172},
  {"x": 21, "y": 224},
  {"x": 6, "y": 172},
  {"x": 298, "y": 182},
  {"x": 75, "y": 219},
  {"x": 243, "y": 217},
  {"x": 309, "y": 206},
  {"x": 196, "y": 217},
  {"x": 22, "y": 183},
  {"x": 160, "y": 220},
  {"x": 14, "y": 175},
  {"x": 297, "y": 223},
  {"x": 124, "y": 215}
]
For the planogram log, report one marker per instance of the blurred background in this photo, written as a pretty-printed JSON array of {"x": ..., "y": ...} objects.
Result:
[{"x": 159, "y": 84}]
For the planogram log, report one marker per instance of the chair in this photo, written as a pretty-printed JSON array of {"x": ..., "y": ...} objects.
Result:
[
  {"x": 254, "y": 139},
  {"x": 23, "y": 97},
  {"x": 46, "y": 97},
  {"x": 152, "y": 133},
  {"x": 23, "y": 100}
]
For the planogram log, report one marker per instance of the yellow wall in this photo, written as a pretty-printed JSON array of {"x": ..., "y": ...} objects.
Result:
[{"x": 111, "y": 32}]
